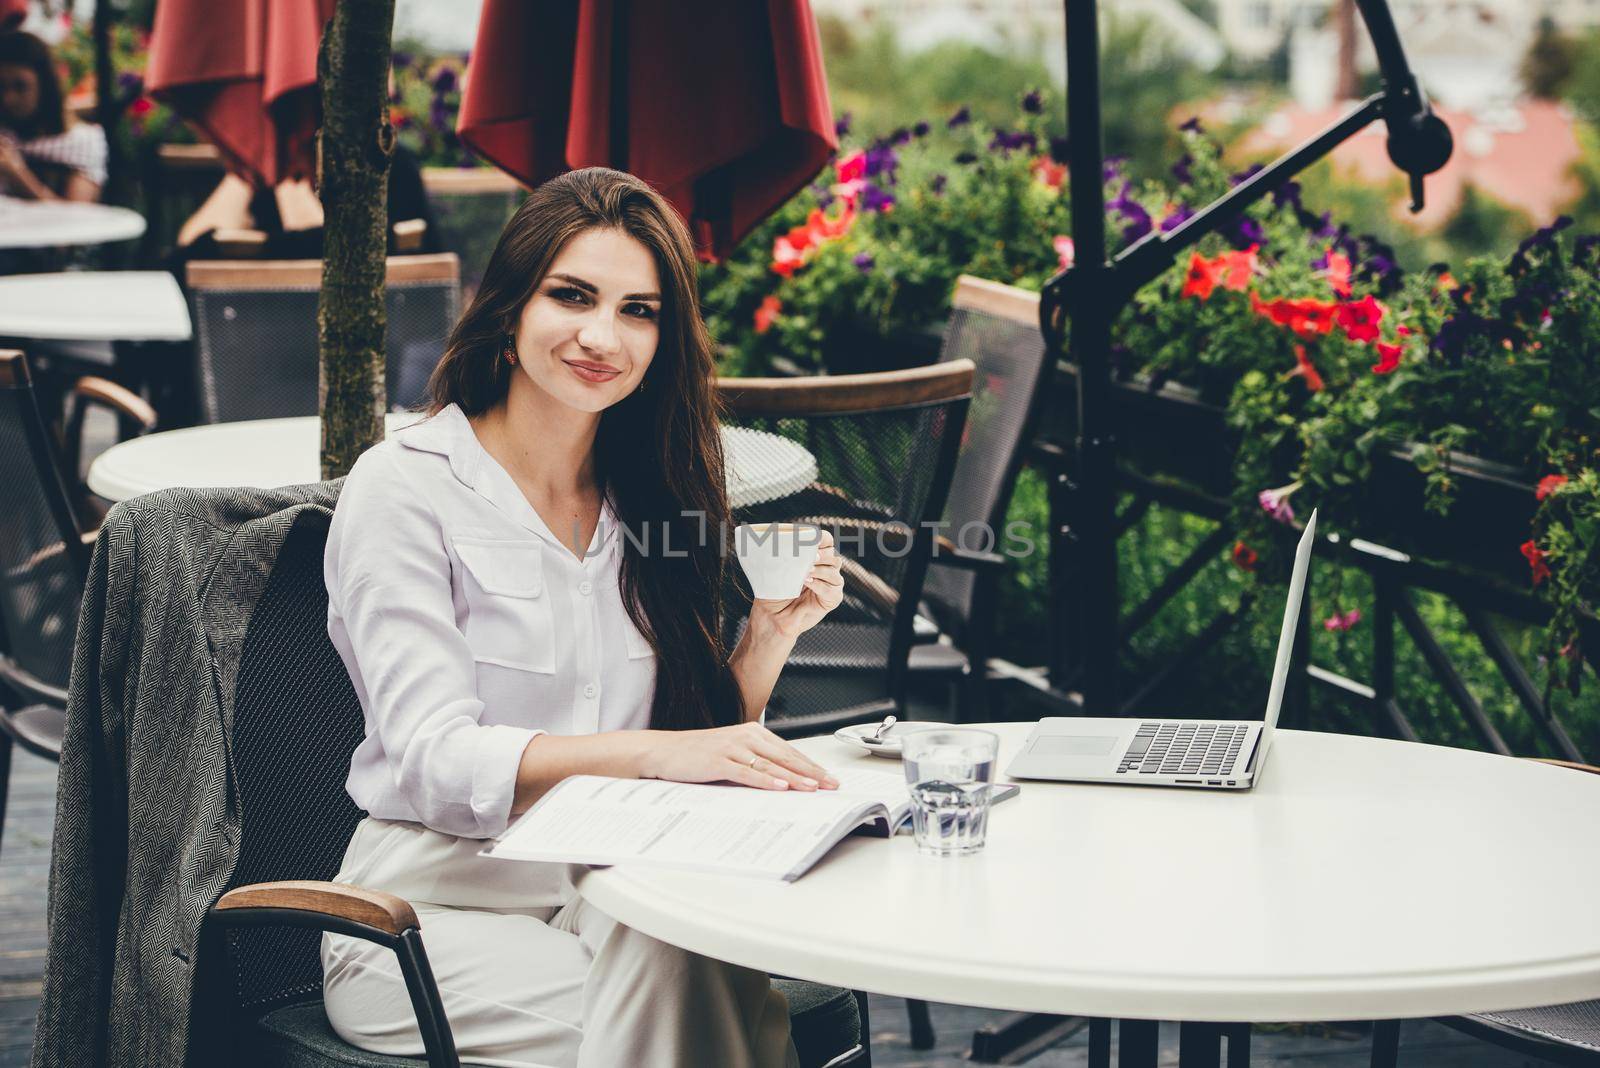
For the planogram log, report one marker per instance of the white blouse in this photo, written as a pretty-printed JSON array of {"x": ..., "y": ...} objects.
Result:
[{"x": 468, "y": 628}]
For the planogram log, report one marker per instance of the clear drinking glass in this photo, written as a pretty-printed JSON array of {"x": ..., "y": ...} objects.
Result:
[{"x": 949, "y": 771}]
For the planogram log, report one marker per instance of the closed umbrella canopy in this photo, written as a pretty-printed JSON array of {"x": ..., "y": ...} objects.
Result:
[
  {"x": 245, "y": 73},
  {"x": 722, "y": 105}
]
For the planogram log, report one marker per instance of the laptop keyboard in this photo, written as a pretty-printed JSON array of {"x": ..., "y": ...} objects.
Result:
[{"x": 1183, "y": 748}]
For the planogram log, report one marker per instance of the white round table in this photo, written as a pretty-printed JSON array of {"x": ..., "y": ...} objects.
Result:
[
  {"x": 1362, "y": 879},
  {"x": 265, "y": 453},
  {"x": 94, "y": 306},
  {"x": 62, "y": 224}
]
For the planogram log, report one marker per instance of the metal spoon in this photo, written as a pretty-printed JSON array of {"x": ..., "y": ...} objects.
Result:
[{"x": 883, "y": 728}]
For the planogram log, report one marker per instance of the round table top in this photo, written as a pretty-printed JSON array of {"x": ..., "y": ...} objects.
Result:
[
  {"x": 1361, "y": 879},
  {"x": 264, "y": 453},
  {"x": 62, "y": 224},
  {"x": 94, "y": 306}
]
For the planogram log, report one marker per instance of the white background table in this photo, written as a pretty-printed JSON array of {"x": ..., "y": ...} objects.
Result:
[
  {"x": 282, "y": 452},
  {"x": 1362, "y": 879},
  {"x": 94, "y": 306},
  {"x": 63, "y": 224}
]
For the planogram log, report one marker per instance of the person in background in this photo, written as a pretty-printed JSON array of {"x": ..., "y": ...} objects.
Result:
[{"x": 45, "y": 154}]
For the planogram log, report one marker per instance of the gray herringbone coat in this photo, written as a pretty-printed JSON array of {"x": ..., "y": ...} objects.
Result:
[{"x": 147, "y": 828}]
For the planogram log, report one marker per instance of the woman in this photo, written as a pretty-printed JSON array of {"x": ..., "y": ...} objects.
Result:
[
  {"x": 44, "y": 153},
  {"x": 503, "y": 634}
]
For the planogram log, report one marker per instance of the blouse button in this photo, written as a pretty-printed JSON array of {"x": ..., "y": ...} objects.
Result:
[
  {"x": 590, "y": 690},
  {"x": 586, "y": 587}
]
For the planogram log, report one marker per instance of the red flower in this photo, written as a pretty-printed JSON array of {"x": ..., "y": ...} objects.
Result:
[
  {"x": 1201, "y": 279},
  {"x": 141, "y": 107},
  {"x": 1342, "y": 620},
  {"x": 767, "y": 313},
  {"x": 1313, "y": 380},
  {"x": 1307, "y": 317},
  {"x": 1066, "y": 251},
  {"x": 852, "y": 167},
  {"x": 1244, "y": 557},
  {"x": 1338, "y": 272},
  {"x": 820, "y": 228},
  {"x": 1536, "y": 561},
  {"x": 1236, "y": 268},
  {"x": 1548, "y": 485},
  {"x": 1360, "y": 318},
  {"x": 1388, "y": 358},
  {"x": 1049, "y": 173}
]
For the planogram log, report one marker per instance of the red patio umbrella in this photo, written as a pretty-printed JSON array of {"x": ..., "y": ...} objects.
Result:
[
  {"x": 245, "y": 73},
  {"x": 722, "y": 105}
]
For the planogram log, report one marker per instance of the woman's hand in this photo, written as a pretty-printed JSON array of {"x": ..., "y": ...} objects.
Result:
[
  {"x": 821, "y": 594},
  {"x": 747, "y": 754}
]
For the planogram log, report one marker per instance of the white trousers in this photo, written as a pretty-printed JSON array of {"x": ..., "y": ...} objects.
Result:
[{"x": 543, "y": 986}]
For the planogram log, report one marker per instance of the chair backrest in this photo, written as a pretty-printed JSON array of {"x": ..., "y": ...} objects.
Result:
[
  {"x": 883, "y": 446},
  {"x": 43, "y": 558},
  {"x": 296, "y": 721},
  {"x": 470, "y": 208},
  {"x": 256, "y": 332},
  {"x": 997, "y": 328}
]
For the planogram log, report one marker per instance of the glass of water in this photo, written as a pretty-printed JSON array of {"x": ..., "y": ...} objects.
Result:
[{"x": 949, "y": 771}]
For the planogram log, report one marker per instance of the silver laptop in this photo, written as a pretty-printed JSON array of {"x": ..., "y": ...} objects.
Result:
[{"x": 1216, "y": 754}]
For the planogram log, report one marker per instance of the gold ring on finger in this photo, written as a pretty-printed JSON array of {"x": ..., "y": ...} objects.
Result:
[{"x": 753, "y": 762}]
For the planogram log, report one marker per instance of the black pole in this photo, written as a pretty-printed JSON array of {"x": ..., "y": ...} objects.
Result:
[
  {"x": 1089, "y": 536},
  {"x": 107, "y": 112}
]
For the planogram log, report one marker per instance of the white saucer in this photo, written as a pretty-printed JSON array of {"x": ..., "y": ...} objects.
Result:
[{"x": 860, "y": 736}]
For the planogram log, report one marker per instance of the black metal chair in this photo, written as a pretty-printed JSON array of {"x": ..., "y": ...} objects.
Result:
[
  {"x": 1558, "y": 1034},
  {"x": 885, "y": 447},
  {"x": 44, "y": 557},
  {"x": 296, "y": 819},
  {"x": 255, "y": 326},
  {"x": 997, "y": 328}
]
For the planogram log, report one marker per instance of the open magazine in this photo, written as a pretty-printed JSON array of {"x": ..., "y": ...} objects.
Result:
[{"x": 775, "y": 834}]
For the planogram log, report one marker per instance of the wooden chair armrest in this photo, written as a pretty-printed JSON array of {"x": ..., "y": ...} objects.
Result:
[
  {"x": 372, "y": 907},
  {"x": 408, "y": 234},
  {"x": 240, "y": 244},
  {"x": 104, "y": 391},
  {"x": 863, "y": 582},
  {"x": 1574, "y": 765}
]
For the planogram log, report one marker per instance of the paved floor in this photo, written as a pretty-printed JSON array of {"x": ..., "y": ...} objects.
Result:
[{"x": 24, "y": 865}]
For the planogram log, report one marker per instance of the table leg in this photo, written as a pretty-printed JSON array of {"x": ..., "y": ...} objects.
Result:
[
  {"x": 1238, "y": 1044},
  {"x": 1200, "y": 1045},
  {"x": 1099, "y": 1043},
  {"x": 1385, "y": 1043},
  {"x": 1138, "y": 1042}
]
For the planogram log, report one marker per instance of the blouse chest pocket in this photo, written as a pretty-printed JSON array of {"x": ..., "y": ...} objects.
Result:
[{"x": 509, "y": 618}]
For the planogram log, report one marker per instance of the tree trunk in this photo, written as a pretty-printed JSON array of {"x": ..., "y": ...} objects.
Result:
[{"x": 353, "y": 152}]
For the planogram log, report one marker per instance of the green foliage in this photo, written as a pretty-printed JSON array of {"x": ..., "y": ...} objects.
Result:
[
  {"x": 424, "y": 104},
  {"x": 1549, "y": 62}
]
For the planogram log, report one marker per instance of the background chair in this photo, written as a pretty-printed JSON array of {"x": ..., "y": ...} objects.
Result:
[
  {"x": 296, "y": 820},
  {"x": 997, "y": 328},
  {"x": 44, "y": 558},
  {"x": 885, "y": 446},
  {"x": 255, "y": 326}
]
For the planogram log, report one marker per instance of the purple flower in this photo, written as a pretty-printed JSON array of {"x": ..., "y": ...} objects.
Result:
[
  {"x": 1276, "y": 503},
  {"x": 901, "y": 136},
  {"x": 824, "y": 198},
  {"x": 1245, "y": 175},
  {"x": 864, "y": 262},
  {"x": 966, "y": 157},
  {"x": 439, "y": 116},
  {"x": 1111, "y": 168},
  {"x": 129, "y": 83},
  {"x": 1583, "y": 248},
  {"x": 841, "y": 125},
  {"x": 919, "y": 130},
  {"x": 401, "y": 60},
  {"x": 1287, "y": 193},
  {"x": 881, "y": 159},
  {"x": 1325, "y": 227},
  {"x": 960, "y": 118},
  {"x": 874, "y": 198},
  {"x": 1005, "y": 142},
  {"x": 1244, "y": 233},
  {"x": 445, "y": 80},
  {"x": 936, "y": 185},
  {"x": 1059, "y": 149},
  {"x": 1135, "y": 218},
  {"x": 1033, "y": 103},
  {"x": 1181, "y": 171},
  {"x": 1177, "y": 218},
  {"x": 1192, "y": 125},
  {"x": 1540, "y": 238}
]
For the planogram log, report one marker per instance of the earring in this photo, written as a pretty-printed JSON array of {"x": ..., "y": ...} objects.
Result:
[
  {"x": 509, "y": 351},
  {"x": 641, "y": 386}
]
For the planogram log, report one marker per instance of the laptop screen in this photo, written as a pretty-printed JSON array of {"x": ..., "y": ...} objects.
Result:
[{"x": 1291, "y": 623}]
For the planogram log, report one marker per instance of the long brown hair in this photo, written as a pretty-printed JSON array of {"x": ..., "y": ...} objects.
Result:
[
  {"x": 26, "y": 50},
  {"x": 658, "y": 453}
]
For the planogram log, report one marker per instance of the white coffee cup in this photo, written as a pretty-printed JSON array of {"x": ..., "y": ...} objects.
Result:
[{"x": 776, "y": 557}]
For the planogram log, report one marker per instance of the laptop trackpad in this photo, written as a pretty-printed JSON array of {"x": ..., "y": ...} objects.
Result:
[{"x": 1074, "y": 744}]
